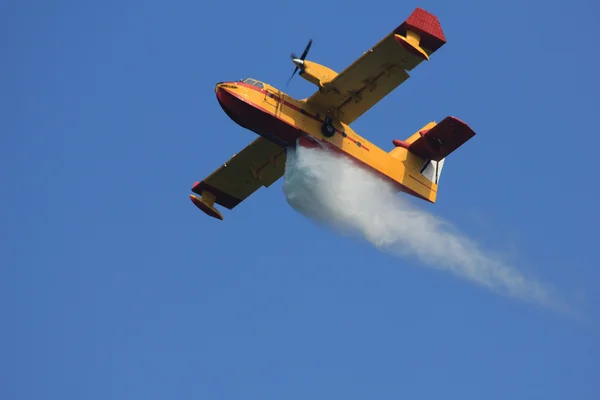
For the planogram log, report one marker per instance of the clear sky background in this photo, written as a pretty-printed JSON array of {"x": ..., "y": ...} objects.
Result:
[{"x": 114, "y": 286}]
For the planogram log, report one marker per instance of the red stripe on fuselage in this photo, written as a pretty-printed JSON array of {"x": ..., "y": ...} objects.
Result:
[
  {"x": 296, "y": 108},
  {"x": 257, "y": 119},
  {"x": 288, "y": 135},
  {"x": 303, "y": 136}
]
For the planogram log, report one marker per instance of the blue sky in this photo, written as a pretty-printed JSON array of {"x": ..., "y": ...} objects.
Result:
[{"x": 113, "y": 285}]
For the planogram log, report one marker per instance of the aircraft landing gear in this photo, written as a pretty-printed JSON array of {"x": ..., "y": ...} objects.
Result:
[{"x": 327, "y": 128}]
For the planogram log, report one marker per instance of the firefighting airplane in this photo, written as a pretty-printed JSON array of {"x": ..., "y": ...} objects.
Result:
[{"x": 413, "y": 165}]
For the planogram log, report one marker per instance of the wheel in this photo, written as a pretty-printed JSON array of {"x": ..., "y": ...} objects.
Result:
[{"x": 327, "y": 129}]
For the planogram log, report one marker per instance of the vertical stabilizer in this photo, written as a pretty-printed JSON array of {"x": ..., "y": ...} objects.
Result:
[{"x": 432, "y": 170}]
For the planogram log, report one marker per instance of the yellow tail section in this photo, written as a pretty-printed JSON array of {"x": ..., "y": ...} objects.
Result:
[
  {"x": 428, "y": 169},
  {"x": 423, "y": 154}
]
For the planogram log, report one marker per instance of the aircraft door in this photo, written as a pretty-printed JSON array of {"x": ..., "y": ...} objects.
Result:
[{"x": 273, "y": 101}]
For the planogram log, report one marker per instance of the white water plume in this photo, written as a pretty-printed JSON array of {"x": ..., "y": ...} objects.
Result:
[{"x": 335, "y": 192}]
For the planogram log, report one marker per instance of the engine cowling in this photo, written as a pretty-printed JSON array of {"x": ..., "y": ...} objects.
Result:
[{"x": 315, "y": 73}]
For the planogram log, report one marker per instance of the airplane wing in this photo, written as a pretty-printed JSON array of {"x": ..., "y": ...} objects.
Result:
[
  {"x": 382, "y": 68},
  {"x": 261, "y": 163}
]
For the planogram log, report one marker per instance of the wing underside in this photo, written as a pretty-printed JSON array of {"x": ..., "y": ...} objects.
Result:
[
  {"x": 261, "y": 163},
  {"x": 381, "y": 69}
]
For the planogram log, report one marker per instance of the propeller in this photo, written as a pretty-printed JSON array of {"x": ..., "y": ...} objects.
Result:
[{"x": 299, "y": 61}]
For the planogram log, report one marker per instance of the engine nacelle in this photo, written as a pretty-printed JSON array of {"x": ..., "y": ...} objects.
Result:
[{"x": 317, "y": 74}]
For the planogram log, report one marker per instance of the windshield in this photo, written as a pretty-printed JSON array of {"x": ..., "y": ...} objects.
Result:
[{"x": 253, "y": 82}]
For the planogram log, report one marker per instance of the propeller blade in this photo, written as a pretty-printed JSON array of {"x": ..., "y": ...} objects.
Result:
[
  {"x": 295, "y": 59},
  {"x": 303, "y": 56},
  {"x": 293, "y": 73}
]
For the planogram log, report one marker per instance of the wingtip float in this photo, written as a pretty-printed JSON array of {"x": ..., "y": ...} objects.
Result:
[
  {"x": 206, "y": 206},
  {"x": 414, "y": 165}
]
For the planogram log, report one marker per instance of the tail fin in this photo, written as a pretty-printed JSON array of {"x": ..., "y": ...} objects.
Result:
[
  {"x": 427, "y": 149},
  {"x": 432, "y": 170}
]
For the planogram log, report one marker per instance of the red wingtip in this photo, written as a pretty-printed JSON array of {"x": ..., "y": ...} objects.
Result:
[
  {"x": 427, "y": 25},
  {"x": 426, "y": 22}
]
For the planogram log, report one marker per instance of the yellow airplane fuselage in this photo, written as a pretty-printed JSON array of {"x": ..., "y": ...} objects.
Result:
[{"x": 286, "y": 121}]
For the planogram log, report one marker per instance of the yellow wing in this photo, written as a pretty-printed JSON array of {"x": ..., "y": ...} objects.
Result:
[
  {"x": 381, "y": 69},
  {"x": 261, "y": 163}
]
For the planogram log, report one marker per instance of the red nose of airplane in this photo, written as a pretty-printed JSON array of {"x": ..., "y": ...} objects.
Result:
[
  {"x": 223, "y": 96},
  {"x": 232, "y": 105}
]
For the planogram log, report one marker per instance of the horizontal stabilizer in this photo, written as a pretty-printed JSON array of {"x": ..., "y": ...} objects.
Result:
[{"x": 441, "y": 140}]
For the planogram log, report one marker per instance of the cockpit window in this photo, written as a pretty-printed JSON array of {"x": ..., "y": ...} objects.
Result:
[{"x": 254, "y": 82}]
